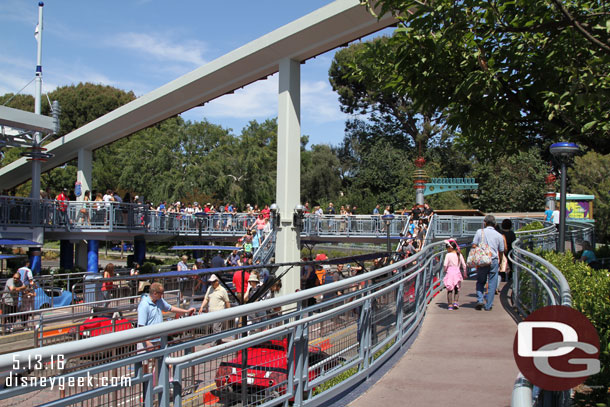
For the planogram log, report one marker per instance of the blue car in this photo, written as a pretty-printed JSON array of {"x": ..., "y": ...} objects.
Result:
[{"x": 52, "y": 297}]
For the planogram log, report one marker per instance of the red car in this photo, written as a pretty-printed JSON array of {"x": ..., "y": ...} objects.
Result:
[
  {"x": 96, "y": 326},
  {"x": 267, "y": 371}
]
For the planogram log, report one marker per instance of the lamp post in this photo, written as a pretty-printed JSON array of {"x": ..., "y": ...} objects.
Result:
[
  {"x": 297, "y": 218},
  {"x": 388, "y": 220},
  {"x": 275, "y": 215},
  {"x": 200, "y": 216},
  {"x": 563, "y": 152}
]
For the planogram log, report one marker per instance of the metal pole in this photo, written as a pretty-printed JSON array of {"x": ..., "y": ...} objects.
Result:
[
  {"x": 36, "y": 164},
  {"x": 387, "y": 226},
  {"x": 561, "y": 246}
]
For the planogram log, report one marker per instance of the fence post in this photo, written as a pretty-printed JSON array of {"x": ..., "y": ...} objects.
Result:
[{"x": 299, "y": 348}]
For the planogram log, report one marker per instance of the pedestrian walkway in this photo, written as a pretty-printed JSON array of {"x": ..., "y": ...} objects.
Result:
[{"x": 460, "y": 358}]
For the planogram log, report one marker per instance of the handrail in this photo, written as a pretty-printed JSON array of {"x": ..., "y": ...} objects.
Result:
[
  {"x": 545, "y": 238},
  {"x": 405, "y": 287},
  {"x": 148, "y": 332}
]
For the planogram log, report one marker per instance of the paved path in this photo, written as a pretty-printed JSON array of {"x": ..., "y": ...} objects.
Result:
[{"x": 460, "y": 358}]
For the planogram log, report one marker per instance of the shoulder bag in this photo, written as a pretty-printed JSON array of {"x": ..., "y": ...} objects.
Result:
[{"x": 481, "y": 255}]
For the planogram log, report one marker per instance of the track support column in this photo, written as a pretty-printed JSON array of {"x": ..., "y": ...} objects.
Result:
[{"x": 288, "y": 188}]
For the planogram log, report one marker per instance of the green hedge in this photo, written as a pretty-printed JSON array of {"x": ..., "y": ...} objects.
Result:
[{"x": 591, "y": 296}]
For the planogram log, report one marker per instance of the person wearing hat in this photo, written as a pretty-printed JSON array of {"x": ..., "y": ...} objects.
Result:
[
  {"x": 252, "y": 286},
  {"x": 216, "y": 299}
]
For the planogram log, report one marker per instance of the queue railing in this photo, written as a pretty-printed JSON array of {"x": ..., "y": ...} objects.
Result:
[{"x": 331, "y": 337}]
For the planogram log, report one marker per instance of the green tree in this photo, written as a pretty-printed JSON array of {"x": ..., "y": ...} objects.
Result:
[
  {"x": 21, "y": 102},
  {"x": 591, "y": 175},
  {"x": 320, "y": 177},
  {"x": 362, "y": 86},
  {"x": 510, "y": 73},
  {"x": 85, "y": 102},
  {"x": 383, "y": 176},
  {"x": 512, "y": 183},
  {"x": 257, "y": 165},
  {"x": 80, "y": 104}
]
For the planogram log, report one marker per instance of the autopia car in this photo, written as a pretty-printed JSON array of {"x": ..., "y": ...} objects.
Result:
[
  {"x": 52, "y": 297},
  {"x": 267, "y": 371}
]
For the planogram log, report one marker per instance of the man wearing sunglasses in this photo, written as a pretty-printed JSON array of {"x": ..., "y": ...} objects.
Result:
[
  {"x": 10, "y": 300},
  {"x": 151, "y": 308}
]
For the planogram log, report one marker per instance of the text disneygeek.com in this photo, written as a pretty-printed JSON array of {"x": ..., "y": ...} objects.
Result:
[{"x": 70, "y": 382}]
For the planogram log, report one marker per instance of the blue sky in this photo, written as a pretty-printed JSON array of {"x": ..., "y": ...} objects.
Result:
[{"x": 140, "y": 45}]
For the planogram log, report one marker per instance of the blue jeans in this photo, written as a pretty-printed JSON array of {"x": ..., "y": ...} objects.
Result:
[{"x": 487, "y": 273}]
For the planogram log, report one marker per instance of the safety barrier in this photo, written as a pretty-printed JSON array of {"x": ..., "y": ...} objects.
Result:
[
  {"x": 371, "y": 315},
  {"x": 78, "y": 216},
  {"x": 538, "y": 283},
  {"x": 48, "y": 324}
]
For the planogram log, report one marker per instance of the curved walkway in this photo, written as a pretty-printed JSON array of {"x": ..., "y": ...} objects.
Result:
[{"x": 460, "y": 358}]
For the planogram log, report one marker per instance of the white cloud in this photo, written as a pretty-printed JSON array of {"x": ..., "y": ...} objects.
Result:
[
  {"x": 255, "y": 101},
  {"x": 319, "y": 102},
  {"x": 260, "y": 100},
  {"x": 161, "y": 48}
]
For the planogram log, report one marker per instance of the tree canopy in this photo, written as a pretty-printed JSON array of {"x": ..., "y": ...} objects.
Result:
[{"x": 509, "y": 73}]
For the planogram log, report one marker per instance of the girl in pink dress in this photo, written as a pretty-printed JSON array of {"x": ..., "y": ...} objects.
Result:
[{"x": 454, "y": 267}]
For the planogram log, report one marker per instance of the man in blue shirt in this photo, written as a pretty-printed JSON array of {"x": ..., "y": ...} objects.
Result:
[
  {"x": 495, "y": 241},
  {"x": 151, "y": 307}
]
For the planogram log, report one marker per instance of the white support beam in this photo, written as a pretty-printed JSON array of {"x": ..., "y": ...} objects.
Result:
[
  {"x": 288, "y": 186},
  {"x": 28, "y": 121},
  {"x": 85, "y": 170}
]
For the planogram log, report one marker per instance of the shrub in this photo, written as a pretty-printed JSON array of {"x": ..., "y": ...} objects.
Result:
[
  {"x": 532, "y": 226},
  {"x": 591, "y": 296}
]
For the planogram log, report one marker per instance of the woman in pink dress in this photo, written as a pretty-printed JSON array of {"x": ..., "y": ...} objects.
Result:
[{"x": 454, "y": 267}]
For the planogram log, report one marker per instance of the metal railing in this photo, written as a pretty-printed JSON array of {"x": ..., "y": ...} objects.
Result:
[
  {"x": 330, "y": 345},
  {"x": 79, "y": 216},
  {"x": 43, "y": 321},
  {"x": 351, "y": 225},
  {"x": 538, "y": 283}
]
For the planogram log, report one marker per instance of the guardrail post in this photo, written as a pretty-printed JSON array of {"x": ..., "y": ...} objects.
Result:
[
  {"x": 162, "y": 373},
  {"x": 399, "y": 308},
  {"x": 364, "y": 333},
  {"x": 522, "y": 392},
  {"x": 299, "y": 344}
]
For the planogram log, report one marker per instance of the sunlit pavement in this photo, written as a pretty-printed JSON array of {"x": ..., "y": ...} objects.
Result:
[{"x": 460, "y": 358}]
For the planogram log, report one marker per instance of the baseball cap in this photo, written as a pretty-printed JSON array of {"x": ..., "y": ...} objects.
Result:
[{"x": 213, "y": 278}]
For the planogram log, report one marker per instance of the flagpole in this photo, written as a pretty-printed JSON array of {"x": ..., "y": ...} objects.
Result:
[{"x": 36, "y": 164}]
